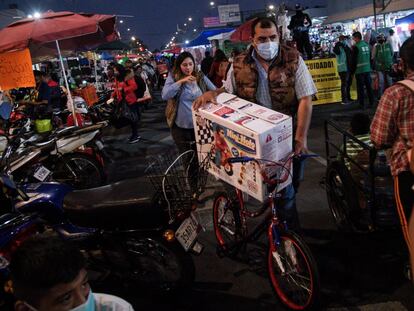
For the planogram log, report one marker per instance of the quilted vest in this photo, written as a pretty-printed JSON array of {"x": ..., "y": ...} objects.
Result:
[{"x": 281, "y": 79}]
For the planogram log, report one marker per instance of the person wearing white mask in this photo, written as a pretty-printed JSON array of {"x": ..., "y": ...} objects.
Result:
[
  {"x": 275, "y": 76},
  {"x": 48, "y": 274}
]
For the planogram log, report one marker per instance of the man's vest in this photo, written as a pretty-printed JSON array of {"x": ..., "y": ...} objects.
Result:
[
  {"x": 341, "y": 60},
  {"x": 383, "y": 56},
  {"x": 281, "y": 79},
  {"x": 364, "y": 58}
]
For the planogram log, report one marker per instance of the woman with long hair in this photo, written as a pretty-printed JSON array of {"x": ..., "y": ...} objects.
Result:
[
  {"x": 125, "y": 87},
  {"x": 185, "y": 83}
]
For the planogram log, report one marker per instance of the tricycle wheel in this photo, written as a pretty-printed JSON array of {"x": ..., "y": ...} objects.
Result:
[{"x": 342, "y": 196}]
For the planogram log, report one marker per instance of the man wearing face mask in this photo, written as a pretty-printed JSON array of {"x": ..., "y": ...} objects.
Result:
[
  {"x": 274, "y": 76},
  {"x": 393, "y": 126},
  {"x": 48, "y": 274}
]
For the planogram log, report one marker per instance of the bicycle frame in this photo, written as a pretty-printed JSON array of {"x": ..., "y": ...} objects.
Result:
[{"x": 276, "y": 224}]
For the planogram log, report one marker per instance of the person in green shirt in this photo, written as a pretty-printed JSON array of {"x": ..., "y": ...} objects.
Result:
[
  {"x": 343, "y": 53},
  {"x": 382, "y": 56},
  {"x": 361, "y": 60}
]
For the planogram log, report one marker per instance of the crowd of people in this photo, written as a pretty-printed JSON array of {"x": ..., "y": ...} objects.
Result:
[{"x": 360, "y": 59}]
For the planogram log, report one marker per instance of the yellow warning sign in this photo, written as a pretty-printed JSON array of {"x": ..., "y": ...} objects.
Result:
[{"x": 325, "y": 75}]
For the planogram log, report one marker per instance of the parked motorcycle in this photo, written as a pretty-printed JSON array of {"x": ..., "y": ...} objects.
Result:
[
  {"x": 61, "y": 157},
  {"x": 127, "y": 230}
]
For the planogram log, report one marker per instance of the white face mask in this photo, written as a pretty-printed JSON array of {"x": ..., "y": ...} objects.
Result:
[
  {"x": 89, "y": 304},
  {"x": 268, "y": 50}
]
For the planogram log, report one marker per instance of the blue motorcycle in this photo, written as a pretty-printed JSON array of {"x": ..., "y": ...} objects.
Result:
[{"x": 128, "y": 237}]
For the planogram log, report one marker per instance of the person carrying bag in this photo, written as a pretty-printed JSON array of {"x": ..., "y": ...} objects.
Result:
[
  {"x": 183, "y": 85},
  {"x": 127, "y": 109}
]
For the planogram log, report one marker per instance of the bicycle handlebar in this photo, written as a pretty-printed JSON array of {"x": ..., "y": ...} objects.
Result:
[
  {"x": 240, "y": 159},
  {"x": 269, "y": 180}
]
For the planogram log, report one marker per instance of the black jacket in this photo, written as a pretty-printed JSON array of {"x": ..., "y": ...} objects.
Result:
[{"x": 297, "y": 22}]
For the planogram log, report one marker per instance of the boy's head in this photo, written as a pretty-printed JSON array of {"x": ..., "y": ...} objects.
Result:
[
  {"x": 48, "y": 274},
  {"x": 357, "y": 36},
  {"x": 360, "y": 124}
]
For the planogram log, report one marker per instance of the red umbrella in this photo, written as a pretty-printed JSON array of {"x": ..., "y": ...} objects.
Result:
[
  {"x": 244, "y": 32},
  {"x": 71, "y": 31}
]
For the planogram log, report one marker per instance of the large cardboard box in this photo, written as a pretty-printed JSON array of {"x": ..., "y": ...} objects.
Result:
[{"x": 235, "y": 127}]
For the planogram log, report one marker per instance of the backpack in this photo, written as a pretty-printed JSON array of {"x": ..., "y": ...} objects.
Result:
[{"x": 141, "y": 87}]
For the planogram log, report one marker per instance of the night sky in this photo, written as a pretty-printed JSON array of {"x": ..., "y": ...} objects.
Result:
[{"x": 153, "y": 21}]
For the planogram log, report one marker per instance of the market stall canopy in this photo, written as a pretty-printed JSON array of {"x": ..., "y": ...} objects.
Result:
[
  {"x": 129, "y": 56},
  {"x": 107, "y": 56},
  {"x": 175, "y": 50},
  {"x": 74, "y": 31},
  {"x": 117, "y": 45},
  {"x": 222, "y": 36},
  {"x": 368, "y": 10},
  {"x": 244, "y": 32},
  {"x": 409, "y": 19},
  {"x": 202, "y": 39}
]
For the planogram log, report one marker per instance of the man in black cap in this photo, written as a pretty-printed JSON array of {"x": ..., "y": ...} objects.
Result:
[{"x": 299, "y": 25}]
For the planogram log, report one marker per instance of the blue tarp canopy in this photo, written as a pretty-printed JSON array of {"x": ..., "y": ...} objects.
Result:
[
  {"x": 409, "y": 19},
  {"x": 106, "y": 56},
  {"x": 202, "y": 38}
]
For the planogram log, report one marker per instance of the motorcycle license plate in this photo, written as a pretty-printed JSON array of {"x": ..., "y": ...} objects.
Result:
[
  {"x": 41, "y": 173},
  {"x": 187, "y": 233}
]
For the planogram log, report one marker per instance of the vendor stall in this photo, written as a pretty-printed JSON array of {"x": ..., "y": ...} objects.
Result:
[
  {"x": 199, "y": 45},
  {"x": 362, "y": 19},
  {"x": 405, "y": 25}
]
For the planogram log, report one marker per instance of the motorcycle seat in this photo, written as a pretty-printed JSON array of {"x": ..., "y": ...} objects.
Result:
[{"x": 129, "y": 203}]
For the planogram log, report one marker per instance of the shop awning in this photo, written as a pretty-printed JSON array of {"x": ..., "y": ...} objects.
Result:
[
  {"x": 368, "y": 10},
  {"x": 409, "y": 19},
  {"x": 221, "y": 36},
  {"x": 202, "y": 39},
  {"x": 175, "y": 50}
]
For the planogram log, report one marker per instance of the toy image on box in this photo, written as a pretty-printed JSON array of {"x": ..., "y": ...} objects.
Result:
[{"x": 228, "y": 129}]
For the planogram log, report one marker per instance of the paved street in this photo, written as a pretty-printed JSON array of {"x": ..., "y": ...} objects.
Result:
[{"x": 358, "y": 272}]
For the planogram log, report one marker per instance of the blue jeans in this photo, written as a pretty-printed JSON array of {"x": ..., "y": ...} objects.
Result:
[
  {"x": 134, "y": 124},
  {"x": 384, "y": 81},
  {"x": 287, "y": 202}
]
